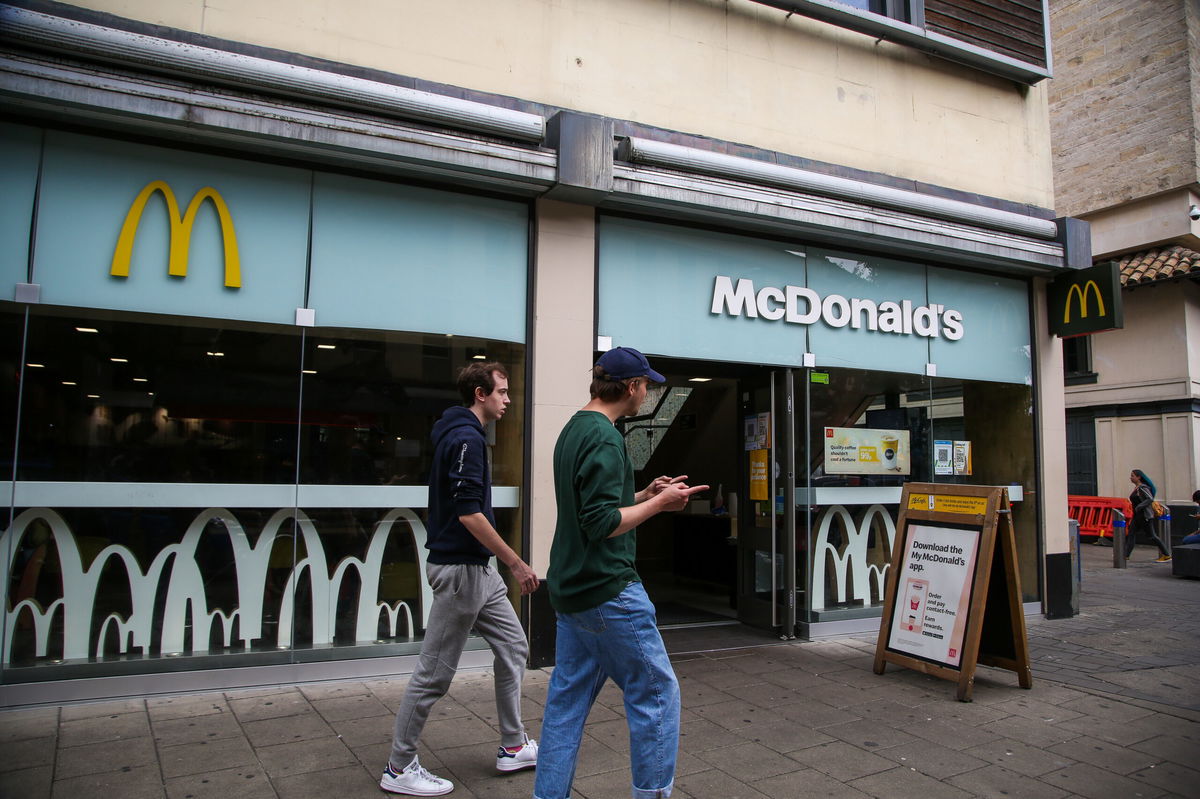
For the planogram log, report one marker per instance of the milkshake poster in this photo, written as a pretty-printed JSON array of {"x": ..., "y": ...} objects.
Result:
[
  {"x": 863, "y": 450},
  {"x": 933, "y": 593}
]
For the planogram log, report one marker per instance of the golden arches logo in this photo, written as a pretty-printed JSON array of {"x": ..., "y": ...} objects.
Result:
[
  {"x": 1082, "y": 293},
  {"x": 180, "y": 235}
]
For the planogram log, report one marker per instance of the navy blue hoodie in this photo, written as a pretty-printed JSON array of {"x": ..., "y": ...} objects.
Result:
[{"x": 460, "y": 483}]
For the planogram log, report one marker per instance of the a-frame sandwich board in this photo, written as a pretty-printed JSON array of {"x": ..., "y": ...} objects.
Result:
[{"x": 953, "y": 593}]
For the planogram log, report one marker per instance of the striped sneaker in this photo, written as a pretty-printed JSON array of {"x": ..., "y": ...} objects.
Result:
[{"x": 515, "y": 758}]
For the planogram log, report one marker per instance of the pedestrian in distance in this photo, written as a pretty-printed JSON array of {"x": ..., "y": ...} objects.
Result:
[
  {"x": 606, "y": 623},
  {"x": 1194, "y": 538},
  {"x": 467, "y": 591},
  {"x": 1142, "y": 499}
]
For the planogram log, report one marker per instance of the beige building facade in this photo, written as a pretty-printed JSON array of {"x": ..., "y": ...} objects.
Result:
[{"x": 817, "y": 219}]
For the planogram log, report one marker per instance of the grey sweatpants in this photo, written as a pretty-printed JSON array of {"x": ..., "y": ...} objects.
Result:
[{"x": 463, "y": 597}]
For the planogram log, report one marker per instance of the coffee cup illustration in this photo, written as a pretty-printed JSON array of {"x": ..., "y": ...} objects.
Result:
[{"x": 891, "y": 451}]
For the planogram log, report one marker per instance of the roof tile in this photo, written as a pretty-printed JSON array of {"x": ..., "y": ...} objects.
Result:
[{"x": 1163, "y": 263}]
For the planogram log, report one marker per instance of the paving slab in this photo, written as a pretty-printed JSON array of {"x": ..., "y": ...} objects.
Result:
[
  {"x": 198, "y": 758},
  {"x": 111, "y": 727},
  {"x": 905, "y": 782},
  {"x": 193, "y": 729},
  {"x": 243, "y": 782},
  {"x": 28, "y": 753},
  {"x": 933, "y": 760},
  {"x": 995, "y": 782},
  {"x": 842, "y": 761},
  {"x": 141, "y": 782},
  {"x": 28, "y": 783},
  {"x": 1019, "y": 757},
  {"x": 1171, "y": 777},
  {"x": 23, "y": 723},
  {"x": 1086, "y": 780},
  {"x": 106, "y": 756}
]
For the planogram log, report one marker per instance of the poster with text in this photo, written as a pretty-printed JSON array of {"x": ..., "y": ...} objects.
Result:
[
  {"x": 962, "y": 457},
  {"x": 933, "y": 591},
  {"x": 760, "y": 486},
  {"x": 863, "y": 450},
  {"x": 943, "y": 453},
  {"x": 757, "y": 431}
]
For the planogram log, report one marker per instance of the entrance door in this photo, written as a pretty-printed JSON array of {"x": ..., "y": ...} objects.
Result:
[{"x": 766, "y": 578}]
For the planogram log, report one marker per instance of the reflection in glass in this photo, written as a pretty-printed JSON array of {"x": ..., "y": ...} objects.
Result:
[
  {"x": 161, "y": 516},
  {"x": 850, "y": 533},
  {"x": 139, "y": 401}
]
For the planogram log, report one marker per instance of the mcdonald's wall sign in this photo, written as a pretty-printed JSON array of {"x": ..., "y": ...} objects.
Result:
[
  {"x": 1086, "y": 301},
  {"x": 180, "y": 232}
]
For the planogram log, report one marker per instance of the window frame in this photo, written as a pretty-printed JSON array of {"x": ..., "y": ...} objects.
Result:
[{"x": 890, "y": 25}]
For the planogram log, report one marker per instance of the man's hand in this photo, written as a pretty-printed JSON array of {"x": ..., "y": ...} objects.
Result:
[
  {"x": 676, "y": 495},
  {"x": 525, "y": 575},
  {"x": 656, "y": 486}
]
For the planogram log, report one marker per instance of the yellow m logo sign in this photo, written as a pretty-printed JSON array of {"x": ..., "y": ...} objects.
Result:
[
  {"x": 1089, "y": 287},
  {"x": 180, "y": 236}
]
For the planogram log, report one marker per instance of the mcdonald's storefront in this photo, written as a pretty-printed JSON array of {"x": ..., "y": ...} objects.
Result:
[
  {"x": 234, "y": 321},
  {"x": 227, "y": 376},
  {"x": 230, "y": 370}
]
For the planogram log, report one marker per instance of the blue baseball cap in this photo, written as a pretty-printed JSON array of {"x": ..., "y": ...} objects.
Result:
[{"x": 622, "y": 363}]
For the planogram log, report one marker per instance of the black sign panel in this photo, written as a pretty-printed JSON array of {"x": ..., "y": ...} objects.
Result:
[{"x": 1086, "y": 301}]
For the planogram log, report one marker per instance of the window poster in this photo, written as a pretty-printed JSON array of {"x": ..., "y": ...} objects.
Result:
[
  {"x": 862, "y": 450},
  {"x": 757, "y": 431},
  {"x": 962, "y": 457},
  {"x": 760, "y": 486},
  {"x": 933, "y": 591},
  {"x": 943, "y": 457}
]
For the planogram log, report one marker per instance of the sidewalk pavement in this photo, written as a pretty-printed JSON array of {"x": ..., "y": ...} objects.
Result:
[{"x": 1114, "y": 712}]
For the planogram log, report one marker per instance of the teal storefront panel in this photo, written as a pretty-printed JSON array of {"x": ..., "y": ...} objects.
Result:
[
  {"x": 20, "y": 152},
  {"x": 657, "y": 284},
  {"x": 686, "y": 293},
  {"x": 995, "y": 344},
  {"x": 89, "y": 186},
  {"x": 394, "y": 257},
  {"x": 875, "y": 292}
]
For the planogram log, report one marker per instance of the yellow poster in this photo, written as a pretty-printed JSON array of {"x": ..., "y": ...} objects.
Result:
[
  {"x": 760, "y": 486},
  {"x": 860, "y": 450},
  {"x": 939, "y": 503}
]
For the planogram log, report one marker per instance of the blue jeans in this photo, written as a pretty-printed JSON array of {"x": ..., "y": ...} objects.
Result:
[{"x": 618, "y": 639}]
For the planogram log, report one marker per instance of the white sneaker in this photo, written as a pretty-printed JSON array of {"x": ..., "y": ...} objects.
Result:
[
  {"x": 525, "y": 757},
  {"x": 414, "y": 781}
]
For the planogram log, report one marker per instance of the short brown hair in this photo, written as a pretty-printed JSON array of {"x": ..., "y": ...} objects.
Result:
[
  {"x": 606, "y": 389},
  {"x": 478, "y": 375}
]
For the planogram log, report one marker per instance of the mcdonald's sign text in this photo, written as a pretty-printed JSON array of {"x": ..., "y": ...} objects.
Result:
[
  {"x": 180, "y": 232},
  {"x": 1086, "y": 301}
]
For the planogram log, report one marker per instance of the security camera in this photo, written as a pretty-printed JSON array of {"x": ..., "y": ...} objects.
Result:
[{"x": 1194, "y": 213}]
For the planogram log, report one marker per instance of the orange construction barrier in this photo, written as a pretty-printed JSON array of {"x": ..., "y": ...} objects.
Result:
[{"x": 1094, "y": 514}]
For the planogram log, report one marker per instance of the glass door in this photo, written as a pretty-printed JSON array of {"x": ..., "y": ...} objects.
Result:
[{"x": 766, "y": 579}]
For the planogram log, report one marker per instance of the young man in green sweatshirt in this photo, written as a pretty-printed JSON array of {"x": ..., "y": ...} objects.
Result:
[{"x": 606, "y": 623}]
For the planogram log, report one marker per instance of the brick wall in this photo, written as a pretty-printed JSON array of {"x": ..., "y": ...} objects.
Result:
[{"x": 1123, "y": 101}]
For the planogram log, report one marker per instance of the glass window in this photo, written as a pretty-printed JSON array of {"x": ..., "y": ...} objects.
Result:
[
  {"x": 118, "y": 399},
  {"x": 900, "y": 428},
  {"x": 189, "y": 489},
  {"x": 370, "y": 402}
]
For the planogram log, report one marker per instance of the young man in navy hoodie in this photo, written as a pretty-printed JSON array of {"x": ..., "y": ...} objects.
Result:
[{"x": 467, "y": 592}]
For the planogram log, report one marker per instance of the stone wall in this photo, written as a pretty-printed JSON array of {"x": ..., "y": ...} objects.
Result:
[{"x": 1123, "y": 100}]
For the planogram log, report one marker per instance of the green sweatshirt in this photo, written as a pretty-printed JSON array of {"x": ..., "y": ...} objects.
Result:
[{"x": 593, "y": 480}]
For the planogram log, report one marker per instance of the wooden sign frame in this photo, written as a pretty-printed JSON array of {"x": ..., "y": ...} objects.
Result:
[{"x": 993, "y": 632}]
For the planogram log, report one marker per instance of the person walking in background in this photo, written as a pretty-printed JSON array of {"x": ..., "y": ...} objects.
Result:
[
  {"x": 467, "y": 591},
  {"x": 1194, "y": 538},
  {"x": 1142, "y": 500},
  {"x": 606, "y": 623}
]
